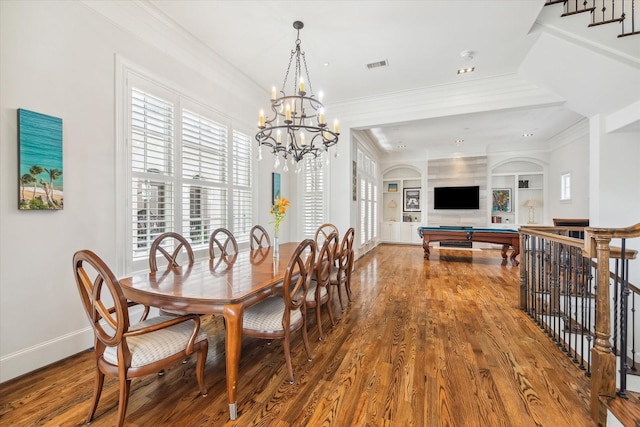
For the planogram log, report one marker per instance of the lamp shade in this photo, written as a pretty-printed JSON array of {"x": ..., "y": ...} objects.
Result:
[
  {"x": 531, "y": 203},
  {"x": 392, "y": 204}
]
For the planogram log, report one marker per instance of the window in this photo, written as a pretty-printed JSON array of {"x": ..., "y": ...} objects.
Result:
[
  {"x": 190, "y": 172},
  {"x": 368, "y": 194},
  {"x": 313, "y": 187},
  {"x": 565, "y": 186}
]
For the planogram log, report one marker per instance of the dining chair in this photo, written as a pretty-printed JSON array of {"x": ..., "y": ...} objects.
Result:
[
  {"x": 129, "y": 351},
  {"x": 340, "y": 273},
  {"x": 222, "y": 238},
  {"x": 170, "y": 240},
  {"x": 258, "y": 237},
  {"x": 280, "y": 315},
  {"x": 319, "y": 292},
  {"x": 350, "y": 235},
  {"x": 323, "y": 232},
  {"x": 178, "y": 243}
]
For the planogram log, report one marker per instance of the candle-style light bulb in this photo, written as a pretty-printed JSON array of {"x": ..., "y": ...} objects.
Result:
[
  {"x": 320, "y": 96},
  {"x": 302, "y": 140},
  {"x": 335, "y": 126},
  {"x": 261, "y": 121},
  {"x": 279, "y": 137},
  {"x": 301, "y": 84},
  {"x": 287, "y": 112},
  {"x": 273, "y": 93},
  {"x": 321, "y": 116}
]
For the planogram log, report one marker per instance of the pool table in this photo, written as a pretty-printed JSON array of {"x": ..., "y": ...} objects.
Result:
[{"x": 501, "y": 236}]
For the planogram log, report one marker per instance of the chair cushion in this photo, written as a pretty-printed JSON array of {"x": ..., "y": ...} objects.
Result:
[
  {"x": 266, "y": 316},
  {"x": 311, "y": 293},
  {"x": 154, "y": 346}
]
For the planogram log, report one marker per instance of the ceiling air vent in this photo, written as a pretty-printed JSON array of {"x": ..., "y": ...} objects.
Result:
[{"x": 383, "y": 63}]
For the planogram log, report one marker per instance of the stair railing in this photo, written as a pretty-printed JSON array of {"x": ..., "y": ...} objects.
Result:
[
  {"x": 566, "y": 292},
  {"x": 604, "y": 12}
]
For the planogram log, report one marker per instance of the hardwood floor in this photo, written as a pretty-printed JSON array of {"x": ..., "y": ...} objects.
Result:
[{"x": 424, "y": 343}]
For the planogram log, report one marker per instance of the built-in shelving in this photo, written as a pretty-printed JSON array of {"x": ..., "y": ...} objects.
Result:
[
  {"x": 524, "y": 182},
  {"x": 399, "y": 225}
]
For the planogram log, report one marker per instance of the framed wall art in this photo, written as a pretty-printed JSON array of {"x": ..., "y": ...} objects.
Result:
[
  {"x": 275, "y": 187},
  {"x": 501, "y": 200},
  {"x": 412, "y": 199},
  {"x": 39, "y": 161}
]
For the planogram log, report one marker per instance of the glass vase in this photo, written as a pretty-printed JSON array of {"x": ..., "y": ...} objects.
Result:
[{"x": 276, "y": 245}]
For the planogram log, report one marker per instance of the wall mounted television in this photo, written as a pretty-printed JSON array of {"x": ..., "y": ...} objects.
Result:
[{"x": 456, "y": 197}]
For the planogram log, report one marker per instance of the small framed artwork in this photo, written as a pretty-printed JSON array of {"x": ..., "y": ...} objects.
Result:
[
  {"x": 393, "y": 188},
  {"x": 275, "y": 187},
  {"x": 40, "y": 161},
  {"x": 354, "y": 182},
  {"x": 412, "y": 199},
  {"x": 501, "y": 200}
]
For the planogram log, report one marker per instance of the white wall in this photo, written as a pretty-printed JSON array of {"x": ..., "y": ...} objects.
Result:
[
  {"x": 58, "y": 58},
  {"x": 570, "y": 154}
]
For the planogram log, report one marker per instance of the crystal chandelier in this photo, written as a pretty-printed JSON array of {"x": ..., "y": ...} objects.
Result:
[{"x": 297, "y": 126}]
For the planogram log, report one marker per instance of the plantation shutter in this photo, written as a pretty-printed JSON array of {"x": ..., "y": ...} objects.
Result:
[
  {"x": 152, "y": 144},
  {"x": 313, "y": 210},
  {"x": 242, "y": 198},
  {"x": 204, "y": 177},
  {"x": 363, "y": 211}
]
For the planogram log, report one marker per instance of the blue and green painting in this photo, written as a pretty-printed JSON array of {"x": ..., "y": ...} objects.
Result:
[{"x": 40, "y": 161}]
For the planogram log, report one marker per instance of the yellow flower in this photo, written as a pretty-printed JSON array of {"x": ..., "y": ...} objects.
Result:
[{"x": 279, "y": 209}]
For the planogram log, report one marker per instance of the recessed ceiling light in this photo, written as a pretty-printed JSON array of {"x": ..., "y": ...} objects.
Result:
[
  {"x": 466, "y": 70},
  {"x": 326, "y": 64},
  {"x": 527, "y": 134},
  {"x": 402, "y": 146}
]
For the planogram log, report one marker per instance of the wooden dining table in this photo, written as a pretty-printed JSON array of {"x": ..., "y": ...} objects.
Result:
[{"x": 224, "y": 285}]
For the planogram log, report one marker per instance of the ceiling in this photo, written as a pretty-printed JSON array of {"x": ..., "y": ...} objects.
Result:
[{"x": 421, "y": 40}]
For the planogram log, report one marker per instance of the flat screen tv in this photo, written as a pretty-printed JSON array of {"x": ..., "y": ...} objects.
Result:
[{"x": 456, "y": 197}]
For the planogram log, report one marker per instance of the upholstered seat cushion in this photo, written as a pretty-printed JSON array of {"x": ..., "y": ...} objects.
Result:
[
  {"x": 266, "y": 316},
  {"x": 151, "y": 347},
  {"x": 334, "y": 274},
  {"x": 311, "y": 293}
]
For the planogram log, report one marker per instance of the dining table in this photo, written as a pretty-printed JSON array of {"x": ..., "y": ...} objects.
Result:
[{"x": 225, "y": 285}]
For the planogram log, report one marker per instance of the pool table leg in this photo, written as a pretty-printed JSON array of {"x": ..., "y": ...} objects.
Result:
[
  {"x": 425, "y": 246},
  {"x": 514, "y": 254},
  {"x": 505, "y": 248}
]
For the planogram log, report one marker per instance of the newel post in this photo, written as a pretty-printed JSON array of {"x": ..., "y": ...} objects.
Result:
[{"x": 603, "y": 361}]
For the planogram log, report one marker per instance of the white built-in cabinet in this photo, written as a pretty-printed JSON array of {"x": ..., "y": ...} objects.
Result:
[
  {"x": 398, "y": 225},
  {"x": 524, "y": 182}
]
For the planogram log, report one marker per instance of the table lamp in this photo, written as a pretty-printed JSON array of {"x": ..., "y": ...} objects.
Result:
[
  {"x": 531, "y": 204},
  {"x": 392, "y": 205}
]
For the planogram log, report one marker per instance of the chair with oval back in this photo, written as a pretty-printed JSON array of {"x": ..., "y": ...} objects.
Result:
[
  {"x": 171, "y": 240},
  {"x": 258, "y": 237},
  {"x": 222, "y": 238},
  {"x": 323, "y": 232},
  {"x": 129, "y": 351},
  {"x": 320, "y": 289},
  {"x": 279, "y": 315},
  {"x": 178, "y": 243},
  {"x": 340, "y": 274}
]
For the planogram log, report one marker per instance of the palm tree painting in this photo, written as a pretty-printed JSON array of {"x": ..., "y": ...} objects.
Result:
[{"x": 40, "y": 161}]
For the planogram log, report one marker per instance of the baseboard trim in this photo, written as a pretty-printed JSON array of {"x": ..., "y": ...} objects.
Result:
[
  {"x": 29, "y": 359},
  {"x": 42, "y": 354}
]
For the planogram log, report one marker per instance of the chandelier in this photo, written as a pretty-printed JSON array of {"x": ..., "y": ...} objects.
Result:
[{"x": 297, "y": 126}]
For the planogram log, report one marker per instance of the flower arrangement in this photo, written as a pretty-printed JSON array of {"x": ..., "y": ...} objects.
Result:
[{"x": 279, "y": 209}]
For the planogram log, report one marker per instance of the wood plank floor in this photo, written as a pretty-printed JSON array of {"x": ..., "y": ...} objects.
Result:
[{"x": 424, "y": 343}]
